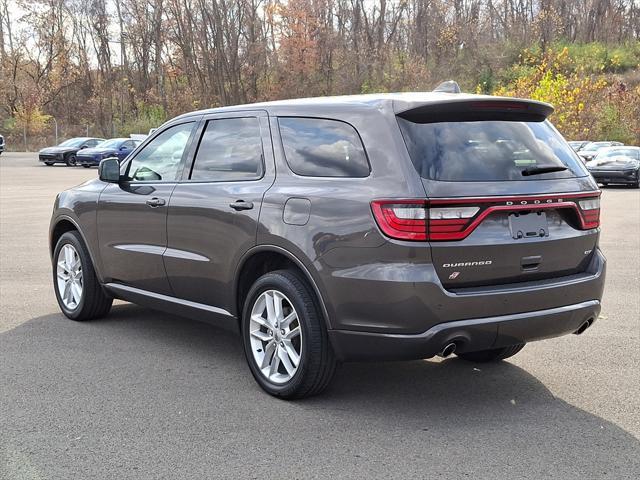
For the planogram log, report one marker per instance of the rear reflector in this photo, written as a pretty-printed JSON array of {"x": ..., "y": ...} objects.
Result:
[{"x": 455, "y": 218}]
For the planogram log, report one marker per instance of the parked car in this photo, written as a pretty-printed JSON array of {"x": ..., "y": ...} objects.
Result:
[
  {"x": 115, "y": 147},
  {"x": 617, "y": 165},
  {"x": 66, "y": 152},
  {"x": 578, "y": 145},
  {"x": 1, "y": 144},
  {"x": 591, "y": 149},
  {"x": 373, "y": 227}
]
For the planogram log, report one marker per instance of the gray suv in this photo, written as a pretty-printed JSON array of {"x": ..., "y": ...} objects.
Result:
[{"x": 324, "y": 230}]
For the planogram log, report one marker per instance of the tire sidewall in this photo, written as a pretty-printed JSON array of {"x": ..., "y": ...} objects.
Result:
[
  {"x": 70, "y": 238},
  {"x": 71, "y": 160},
  {"x": 306, "y": 316}
]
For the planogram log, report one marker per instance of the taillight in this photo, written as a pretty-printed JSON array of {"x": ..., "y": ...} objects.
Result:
[
  {"x": 446, "y": 223},
  {"x": 590, "y": 212},
  {"x": 401, "y": 219},
  {"x": 455, "y": 218}
]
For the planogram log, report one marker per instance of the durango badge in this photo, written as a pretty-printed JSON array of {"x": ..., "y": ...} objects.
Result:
[{"x": 479, "y": 263}]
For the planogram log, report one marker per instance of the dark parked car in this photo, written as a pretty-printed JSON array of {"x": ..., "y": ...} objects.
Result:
[
  {"x": 578, "y": 145},
  {"x": 66, "y": 152},
  {"x": 617, "y": 165},
  {"x": 115, "y": 147},
  {"x": 589, "y": 151},
  {"x": 1, "y": 144},
  {"x": 374, "y": 227}
]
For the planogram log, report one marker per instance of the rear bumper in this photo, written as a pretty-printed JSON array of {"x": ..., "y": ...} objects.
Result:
[{"x": 468, "y": 335}]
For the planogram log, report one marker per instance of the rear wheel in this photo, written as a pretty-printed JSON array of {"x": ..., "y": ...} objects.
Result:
[
  {"x": 85, "y": 165},
  {"x": 48, "y": 164},
  {"x": 493, "y": 355},
  {"x": 78, "y": 291},
  {"x": 284, "y": 337},
  {"x": 71, "y": 160}
]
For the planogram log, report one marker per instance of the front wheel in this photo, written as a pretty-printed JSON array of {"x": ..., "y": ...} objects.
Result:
[
  {"x": 284, "y": 336},
  {"x": 493, "y": 355},
  {"x": 71, "y": 160},
  {"x": 79, "y": 294}
]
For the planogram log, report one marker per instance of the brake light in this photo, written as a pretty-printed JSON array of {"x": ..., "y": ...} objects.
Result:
[
  {"x": 499, "y": 105},
  {"x": 448, "y": 219}
]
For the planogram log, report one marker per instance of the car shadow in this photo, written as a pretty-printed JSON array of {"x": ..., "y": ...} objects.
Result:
[{"x": 155, "y": 390}]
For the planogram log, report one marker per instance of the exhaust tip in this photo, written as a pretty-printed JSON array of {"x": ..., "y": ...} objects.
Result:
[
  {"x": 583, "y": 327},
  {"x": 447, "y": 350}
]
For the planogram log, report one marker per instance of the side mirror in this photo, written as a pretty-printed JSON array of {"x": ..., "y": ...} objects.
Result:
[
  {"x": 83, "y": 147},
  {"x": 109, "y": 170},
  {"x": 123, "y": 148}
]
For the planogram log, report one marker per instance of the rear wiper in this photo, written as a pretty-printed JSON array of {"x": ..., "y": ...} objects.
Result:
[{"x": 538, "y": 170}]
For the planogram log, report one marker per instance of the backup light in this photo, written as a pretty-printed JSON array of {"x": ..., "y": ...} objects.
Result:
[
  {"x": 589, "y": 204},
  {"x": 447, "y": 213}
]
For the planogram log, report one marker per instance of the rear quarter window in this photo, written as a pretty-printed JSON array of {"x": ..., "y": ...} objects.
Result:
[
  {"x": 490, "y": 150},
  {"x": 316, "y": 147}
]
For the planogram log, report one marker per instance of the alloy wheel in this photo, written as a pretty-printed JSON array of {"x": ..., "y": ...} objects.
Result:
[
  {"x": 275, "y": 336},
  {"x": 69, "y": 276}
]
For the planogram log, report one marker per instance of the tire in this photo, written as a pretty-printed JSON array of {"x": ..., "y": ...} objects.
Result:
[
  {"x": 70, "y": 160},
  {"x": 493, "y": 355},
  {"x": 85, "y": 165},
  {"x": 93, "y": 302},
  {"x": 317, "y": 362},
  {"x": 48, "y": 164}
]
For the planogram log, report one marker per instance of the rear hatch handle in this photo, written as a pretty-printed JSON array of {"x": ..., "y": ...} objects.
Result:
[{"x": 531, "y": 263}]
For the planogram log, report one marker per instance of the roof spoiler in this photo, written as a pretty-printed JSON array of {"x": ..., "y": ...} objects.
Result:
[
  {"x": 450, "y": 86},
  {"x": 474, "y": 109}
]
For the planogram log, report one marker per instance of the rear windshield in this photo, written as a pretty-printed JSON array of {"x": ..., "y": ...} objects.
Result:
[{"x": 486, "y": 151}]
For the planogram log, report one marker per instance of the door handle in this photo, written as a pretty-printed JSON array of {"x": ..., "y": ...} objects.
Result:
[
  {"x": 156, "y": 202},
  {"x": 241, "y": 205}
]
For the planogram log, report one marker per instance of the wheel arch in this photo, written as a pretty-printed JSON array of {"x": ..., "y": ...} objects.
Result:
[
  {"x": 263, "y": 259},
  {"x": 63, "y": 224}
]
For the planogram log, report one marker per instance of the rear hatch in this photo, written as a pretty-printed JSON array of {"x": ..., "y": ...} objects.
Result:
[{"x": 507, "y": 199}]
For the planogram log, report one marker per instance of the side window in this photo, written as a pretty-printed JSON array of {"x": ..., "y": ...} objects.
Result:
[
  {"x": 322, "y": 148},
  {"x": 161, "y": 159},
  {"x": 128, "y": 145},
  {"x": 230, "y": 150}
]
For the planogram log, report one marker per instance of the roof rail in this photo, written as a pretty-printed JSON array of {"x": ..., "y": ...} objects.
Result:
[{"x": 450, "y": 86}]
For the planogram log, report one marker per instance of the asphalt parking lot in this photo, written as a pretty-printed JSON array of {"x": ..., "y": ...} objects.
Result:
[{"x": 145, "y": 395}]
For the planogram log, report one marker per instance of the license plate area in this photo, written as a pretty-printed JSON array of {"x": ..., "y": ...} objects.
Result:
[{"x": 528, "y": 225}]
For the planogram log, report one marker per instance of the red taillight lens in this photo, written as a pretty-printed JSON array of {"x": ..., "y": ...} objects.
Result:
[
  {"x": 590, "y": 211},
  {"x": 401, "y": 219}
]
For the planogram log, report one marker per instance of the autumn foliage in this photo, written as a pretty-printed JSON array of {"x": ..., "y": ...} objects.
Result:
[{"x": 115, "y": 67}]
